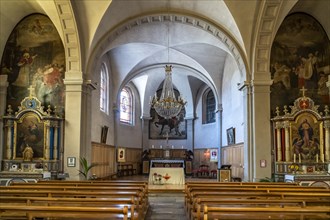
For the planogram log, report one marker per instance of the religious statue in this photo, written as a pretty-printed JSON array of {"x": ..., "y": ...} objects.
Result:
[{"x": 28, "y": 153}]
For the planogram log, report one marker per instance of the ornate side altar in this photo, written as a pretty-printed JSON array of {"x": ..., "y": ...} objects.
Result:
[
  {"x": 302, "y": 142},
  {"x": 33, "y": 141}
]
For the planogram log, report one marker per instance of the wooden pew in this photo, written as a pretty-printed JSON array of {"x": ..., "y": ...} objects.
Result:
[
  {"x": 232, "y": 191},
  {"x": 199, "y": 203},
  {"x": 62, "y": 212},
  {"x": 82, "y": 202},
  {"x": 215, "y": 212},
  {"x": 90, "y": 191}
]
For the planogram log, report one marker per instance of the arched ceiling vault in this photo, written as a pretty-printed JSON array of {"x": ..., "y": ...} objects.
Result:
[{"x": 155, "y": 39}]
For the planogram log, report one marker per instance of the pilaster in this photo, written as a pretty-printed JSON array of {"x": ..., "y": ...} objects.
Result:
[
  {"x": 73, "y": 123},
  {"x": 260, "y": 129},
  {"x": 3, "y": 95}
]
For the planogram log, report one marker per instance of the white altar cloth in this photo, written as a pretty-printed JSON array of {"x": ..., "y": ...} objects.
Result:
[{"x": 176, "y": 175}]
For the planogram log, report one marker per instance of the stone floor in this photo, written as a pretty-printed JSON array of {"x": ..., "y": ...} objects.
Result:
[
  {"x": 166, "y": 202},
  {"x": 166, "y": 206}
]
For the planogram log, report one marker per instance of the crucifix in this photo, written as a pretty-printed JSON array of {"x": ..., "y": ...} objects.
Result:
[
  {"x": 303, "y": 90},
  {"x": 31, "y": 91}
]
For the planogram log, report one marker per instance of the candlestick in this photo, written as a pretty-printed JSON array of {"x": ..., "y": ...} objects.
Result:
[
  {"x": 317, "y": 158},
  {"x": 299, "y": 158},
  {"x": 294, "y": 158}
]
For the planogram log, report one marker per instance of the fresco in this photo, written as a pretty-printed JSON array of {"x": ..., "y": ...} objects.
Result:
[
  {"x": 300, "y": 59},
  {"x": 34, "y": 56}
]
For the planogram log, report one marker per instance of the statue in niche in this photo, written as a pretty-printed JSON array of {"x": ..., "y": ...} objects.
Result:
[{"x": 28, "y": 153}]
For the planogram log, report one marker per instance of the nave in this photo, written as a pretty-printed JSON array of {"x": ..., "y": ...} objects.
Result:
[{"x": 133, "y": 198}]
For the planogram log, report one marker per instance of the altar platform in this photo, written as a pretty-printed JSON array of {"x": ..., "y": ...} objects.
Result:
[{"x": 157, "y": 175}]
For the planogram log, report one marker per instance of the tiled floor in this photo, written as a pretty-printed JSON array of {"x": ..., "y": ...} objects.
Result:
[
  {"x": 166, "y": 206},
  {"x": 166, "y": 202}
]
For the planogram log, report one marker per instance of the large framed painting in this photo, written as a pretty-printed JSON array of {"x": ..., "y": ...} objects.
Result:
[
  {"x": 300, "y": 60},
  {"x": 34, "y": 56},
  {"x": 305, "y": 133},
  {"x": 173, "y": 128},
  {"x": 29, "y": 132}
]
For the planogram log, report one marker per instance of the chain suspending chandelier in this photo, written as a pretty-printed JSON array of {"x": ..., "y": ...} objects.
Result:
[{"x": 167, "y": 106}]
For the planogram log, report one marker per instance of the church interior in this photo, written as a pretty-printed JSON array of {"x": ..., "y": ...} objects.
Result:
[{"x": 170, "y": 102}]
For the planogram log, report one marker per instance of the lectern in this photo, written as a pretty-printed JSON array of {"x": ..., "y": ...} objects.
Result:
[{"x": 224, "y": 173}]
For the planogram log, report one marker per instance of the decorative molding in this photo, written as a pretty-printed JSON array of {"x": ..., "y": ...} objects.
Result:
[
  {"x": 265, "y": 32},
  {"x": 70, "y": 33}
]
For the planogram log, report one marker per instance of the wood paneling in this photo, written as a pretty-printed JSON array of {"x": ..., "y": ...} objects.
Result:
[
  {"x": 234, "y": 155},
  {"x": 202, "y": 157},
  {"x": 105, "y": 156},
  {"x": 134, "y": 157}
]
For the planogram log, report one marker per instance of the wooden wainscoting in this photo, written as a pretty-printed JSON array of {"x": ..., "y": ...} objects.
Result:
[
  {"x": 105, "y": 156},
  {"x": 202, "y": 157},
  {"x": 234, "y": 156},
  {"x": 133, "y": 156}
]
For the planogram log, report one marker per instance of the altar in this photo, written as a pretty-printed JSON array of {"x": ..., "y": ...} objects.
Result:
[
  {"x": 175, "y": 175},
  {"x": 309, "y": 179},
  {"x": 167, "y": 158}
]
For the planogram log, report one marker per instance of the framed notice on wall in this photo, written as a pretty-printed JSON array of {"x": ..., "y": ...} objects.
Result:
[
  {"x": 121, "y": 157},
  {"x": 214, "y": 155}
]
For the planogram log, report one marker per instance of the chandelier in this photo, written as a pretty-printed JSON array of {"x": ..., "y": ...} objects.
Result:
[{"x": 167, "y": 106}]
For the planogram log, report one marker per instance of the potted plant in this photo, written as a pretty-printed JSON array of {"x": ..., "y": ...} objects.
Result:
[{"x": 85, "y": 167}]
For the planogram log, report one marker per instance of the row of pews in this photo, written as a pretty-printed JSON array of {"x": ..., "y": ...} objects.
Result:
[
  {"x": 74, "y": 200},
  {"x": 239, "y": 200}
]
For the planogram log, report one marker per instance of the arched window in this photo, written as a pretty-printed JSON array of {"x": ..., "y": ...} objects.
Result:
[
  {"x": 126, "y": 106},
  {"x": 209, "y": 108},
  {"x": 104, "y": 90}
]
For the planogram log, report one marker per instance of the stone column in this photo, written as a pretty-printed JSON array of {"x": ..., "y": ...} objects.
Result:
[
  {"x": 73, "y": 122},
  {"x": 248, "y": 150},
  {"x": 3, "y": 99},
  {"x": 261, "y": 132},
  {"x": 219, "y": 128}
]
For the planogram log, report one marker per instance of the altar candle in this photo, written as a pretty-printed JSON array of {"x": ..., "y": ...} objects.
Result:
[
  {"x": 153, "y": 146},
  {"x": 294, "y": 158},
  {"x": 299, "y": 158},
  {"x": 172, "y": 147},
  {"x": 161, "y": 146},
  {"x": 317, "y": 158},
  {"x": 182, "y": 146}
]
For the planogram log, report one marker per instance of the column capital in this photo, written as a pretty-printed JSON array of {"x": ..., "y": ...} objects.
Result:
[{"x": 265, "y": 82}]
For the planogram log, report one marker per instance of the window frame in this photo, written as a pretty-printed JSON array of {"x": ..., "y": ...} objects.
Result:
[
  {"x": 104, "y": 89},
  {"x": 129, "y": 120}
]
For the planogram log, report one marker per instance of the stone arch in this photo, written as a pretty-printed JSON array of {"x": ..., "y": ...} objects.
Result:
[
  {"x": 231, "y": 45},
  {"x": 71, "y": 37}
]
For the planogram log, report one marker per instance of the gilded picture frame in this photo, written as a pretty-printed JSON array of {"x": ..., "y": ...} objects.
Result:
[{"x": 231, "y": 136}]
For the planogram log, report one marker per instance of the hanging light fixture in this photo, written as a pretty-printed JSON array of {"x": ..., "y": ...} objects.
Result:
[{"x": 167, "y": 106}]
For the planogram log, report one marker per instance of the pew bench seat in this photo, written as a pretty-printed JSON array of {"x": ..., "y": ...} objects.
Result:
[{"x": 62, "y": 212}]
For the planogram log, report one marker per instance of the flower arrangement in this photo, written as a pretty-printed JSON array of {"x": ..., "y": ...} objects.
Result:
[
  {"x": 166, "y": 177},
  {"x": 159, "y": 177},
  {"x": 294, "y": 167}
]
